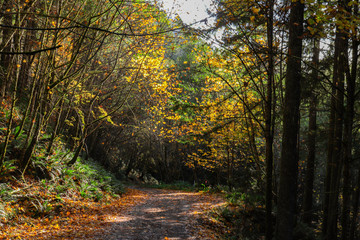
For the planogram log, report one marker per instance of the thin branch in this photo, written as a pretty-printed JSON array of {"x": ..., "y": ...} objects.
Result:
[
  {"x": 31, "y": 52},
  {"x": 98, "y": 29}
]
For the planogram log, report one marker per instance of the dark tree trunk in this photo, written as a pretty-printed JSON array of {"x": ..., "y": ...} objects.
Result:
[
  {"x": 77, "y": 153},
  {"x": 329, "y": 159},
  {"x": 354, "y": 221},
  {"x": 310, "y": 164},
  {"x": 268, "y": 123},
  {"x": 26, "y": 160},
  {"x": 348, "y": 136},
  {"x": 335, "y": 164},
  {"x": 286, "y": 216},
  {"x": 356, "y": 194}
]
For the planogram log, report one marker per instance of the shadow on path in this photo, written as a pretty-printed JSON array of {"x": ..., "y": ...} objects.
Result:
[{"x": 163, "y": 216}]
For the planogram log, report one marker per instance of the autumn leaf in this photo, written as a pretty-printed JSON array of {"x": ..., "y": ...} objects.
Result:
[{"x": 255, "y": 10}]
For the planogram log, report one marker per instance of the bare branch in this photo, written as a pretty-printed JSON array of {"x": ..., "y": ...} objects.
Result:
[{"x": 31, "y": 52}]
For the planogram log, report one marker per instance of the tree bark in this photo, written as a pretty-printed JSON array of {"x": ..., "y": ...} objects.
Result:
[
  {"x": 354, "y": 221},
  {"x": 335, "y": 163},
  {"x": 348, "y": 136},
  {"x": 310, "y": 164},
  {"x": 269, "y": 138},
  {"x": 356, "y": 193},
  {"x": 286, "y": 217},
  {"x": 5, "y": 59}
]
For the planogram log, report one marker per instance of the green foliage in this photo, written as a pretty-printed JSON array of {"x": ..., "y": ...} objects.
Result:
[
  {"x": 238, "y": 223},
  {"x": 96, "y": 178},
  {"x": 85, "y": 178},
  {"x": 88, "y": 178},
  {"x": 178, "y": 185},
  {"x": 9, "y": 167},
  {"x": 238, "y": 198},
  {"x": 41, "y": 207},
  {"x": 242, "y": 217},
  {"x": 5, "y": 191},
  {"x": 186, "y": 186},
  {"x": 206, "y": 188}
]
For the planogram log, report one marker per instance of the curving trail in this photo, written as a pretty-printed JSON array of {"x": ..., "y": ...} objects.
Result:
[{"x": 164, "y": 214}]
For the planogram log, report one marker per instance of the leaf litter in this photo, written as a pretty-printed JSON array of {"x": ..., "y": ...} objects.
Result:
[{"x": 137, "y": 214}]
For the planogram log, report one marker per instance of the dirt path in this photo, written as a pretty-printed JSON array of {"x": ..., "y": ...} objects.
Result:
[
  {"x": 165, "y": 214},
  {"x": 139, "y": 214}
]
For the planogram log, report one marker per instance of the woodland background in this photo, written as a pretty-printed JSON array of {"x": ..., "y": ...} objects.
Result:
[{"x": 263, "y": 105}]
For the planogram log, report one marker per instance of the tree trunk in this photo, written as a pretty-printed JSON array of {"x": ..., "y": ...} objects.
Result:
[
  {"x": 26, "y": 160},
  {"x": 77, "y": 152},
  {"x": 30, "y": 37},
  {"x": 269, "y": 138},
  {"x": 354, "y": 220},
  {"x": 348, "y": 136},
  {"x": 55, "y": 130},
  {"x": 310, "y": 164},
  {"x": 356, "y": 194},
  {"x": 286, "y": 217},
  {"x": 5, "y": 59},
  {"x": 335, "y": 166}
]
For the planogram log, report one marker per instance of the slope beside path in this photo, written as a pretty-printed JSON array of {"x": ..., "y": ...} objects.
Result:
[{"x": 142, "y": 213}]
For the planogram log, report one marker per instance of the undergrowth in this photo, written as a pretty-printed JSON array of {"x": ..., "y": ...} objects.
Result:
[
  {"x": 29, "y": 197},
  {"x": 41, "y": 188},
  {"x": 243, "y": 217},
  {"x": 179, "y": 185},
  {"x": 186, "y": 186}
]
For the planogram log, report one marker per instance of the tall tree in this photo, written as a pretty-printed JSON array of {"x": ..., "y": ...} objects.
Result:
[
  {"x": 268, "y": 121},
  {"x": 286, "y": 216},
  {"x": 310, "y": 164},
  {"x": 348, "y": 133},
  {"x": 335, "y": 158}
]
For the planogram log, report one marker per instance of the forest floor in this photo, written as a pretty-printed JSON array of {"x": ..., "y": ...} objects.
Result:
[
  {"x": 165, "y": 214},
  {"x": 142, "y": 213}
]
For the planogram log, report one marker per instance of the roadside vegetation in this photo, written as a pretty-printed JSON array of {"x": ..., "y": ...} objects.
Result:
[{"x": 31, "y": 207}]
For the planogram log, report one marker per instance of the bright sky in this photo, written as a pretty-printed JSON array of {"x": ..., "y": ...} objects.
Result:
[{"x": 190, "y": 11}]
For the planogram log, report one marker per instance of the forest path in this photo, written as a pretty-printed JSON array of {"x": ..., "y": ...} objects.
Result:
[{"x": 164, "y": 214}]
